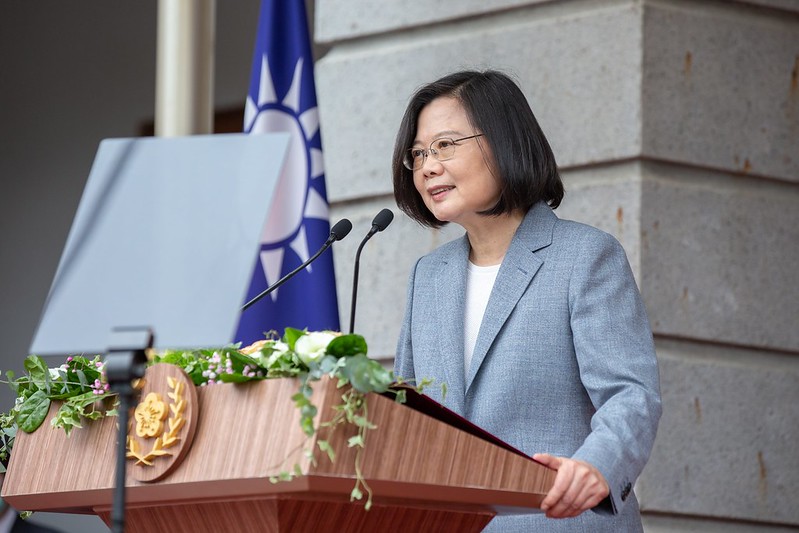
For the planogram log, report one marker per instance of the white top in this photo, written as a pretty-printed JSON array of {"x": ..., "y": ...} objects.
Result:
[{"x": 479, "y": 282}]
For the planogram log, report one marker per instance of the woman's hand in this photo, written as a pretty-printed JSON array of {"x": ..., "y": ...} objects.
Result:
[{"x": 578, "y": 486}]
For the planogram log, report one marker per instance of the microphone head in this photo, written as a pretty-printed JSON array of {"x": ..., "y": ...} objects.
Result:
[
  {"x": 341, "y": 229},
  {"x": 383, "y": 219}
]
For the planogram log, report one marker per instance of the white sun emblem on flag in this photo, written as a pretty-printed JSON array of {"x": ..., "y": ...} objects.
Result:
[{"x": 295, "y": 199}]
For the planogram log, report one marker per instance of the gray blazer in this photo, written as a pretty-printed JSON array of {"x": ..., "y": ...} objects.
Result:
[{"x": 564, "y": 361}]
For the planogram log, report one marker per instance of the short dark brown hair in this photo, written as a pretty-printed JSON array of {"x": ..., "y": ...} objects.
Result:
[{"x": 496, "y": 107}]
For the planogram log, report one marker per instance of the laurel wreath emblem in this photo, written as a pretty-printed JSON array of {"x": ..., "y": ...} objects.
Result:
[{"x": 149, "y": 423}]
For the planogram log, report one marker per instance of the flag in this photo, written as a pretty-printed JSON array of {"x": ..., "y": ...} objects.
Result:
[{"x": 282, "y": 98}]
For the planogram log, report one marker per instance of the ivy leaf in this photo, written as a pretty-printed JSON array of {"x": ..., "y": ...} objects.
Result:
[
  {"x": 401, "y": 396},
  {"x": 307, "y": 426},
  {"x": 328, "y": 449},
  {"x": 356, "y": 494},
  {"x": 67, "y": 418},
  {"x": 347, "y": 345},
  {"x": 356, "y": 440},
  {"x": 33, "y": 411},
  {"x": 308, "y": 410}
]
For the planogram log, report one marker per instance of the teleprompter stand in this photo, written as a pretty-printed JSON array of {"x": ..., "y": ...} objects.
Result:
[{"x": 124, "y": 363}]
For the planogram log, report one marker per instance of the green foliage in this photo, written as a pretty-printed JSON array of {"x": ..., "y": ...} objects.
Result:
[{"x": 80, "y": 386}]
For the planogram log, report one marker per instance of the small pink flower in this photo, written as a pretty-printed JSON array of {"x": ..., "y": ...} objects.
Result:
[{"x": 69, "y": 359}]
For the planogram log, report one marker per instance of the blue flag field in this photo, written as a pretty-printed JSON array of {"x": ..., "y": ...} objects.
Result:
[{"x": 282, "y": 98}]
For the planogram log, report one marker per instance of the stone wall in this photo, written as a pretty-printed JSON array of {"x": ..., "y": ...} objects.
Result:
[{"x": 676, "y": 125}]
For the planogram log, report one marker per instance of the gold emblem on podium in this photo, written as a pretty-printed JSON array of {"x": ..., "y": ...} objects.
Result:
[{"x": 163, "y": 423}]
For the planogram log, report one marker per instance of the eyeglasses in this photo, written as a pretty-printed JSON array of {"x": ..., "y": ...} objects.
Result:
[{"x": 442, "y": 149}]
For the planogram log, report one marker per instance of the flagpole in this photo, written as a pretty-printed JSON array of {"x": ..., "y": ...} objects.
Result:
[{"x": 184, "y": 87}]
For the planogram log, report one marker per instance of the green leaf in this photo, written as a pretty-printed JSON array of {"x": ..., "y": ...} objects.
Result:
[
  {"x": 366, "y": 375},
  {"x": 33, "y": 411},
  {"x": 328, "y": 449},
  {"x": 307, "y": 426},
  {"x": 356, "y": 440},
  {"x": 328, "y": 364},
  {"x": 308, "y": 410},
  {"x": 291, "y": 335},
  {"x": 234, "y": 378},
  {"x": 347, "y": 345},
  {"x": 82, "y": 378},
  {"x": 443, "y": 391},
  {"x": 37, "y": 370},
  {"x": 356, "y": 494},
  {"x": 401, "y": 396},
  {"x": 241, "y": 360}
]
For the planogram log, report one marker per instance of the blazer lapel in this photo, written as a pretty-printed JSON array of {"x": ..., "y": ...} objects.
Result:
[
  {"x": 517, "y": 271},
  {"x": 450, "y": 302}
]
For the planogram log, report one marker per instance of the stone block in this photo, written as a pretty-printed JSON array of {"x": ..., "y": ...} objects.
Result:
[
  {"x": 721, "y": 87},
  {"x": 719, "y": 256},
  {"x": 607, "y": 197},
  {"x": 350, "y": 19},
  {"x": 726, "y": 446},
  {"x": 585, "y": 90}
]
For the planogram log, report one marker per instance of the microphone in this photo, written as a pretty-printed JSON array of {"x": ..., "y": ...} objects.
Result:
[
  {"x": 379, "y": 223},
  {"x": 337, "y": 232}
]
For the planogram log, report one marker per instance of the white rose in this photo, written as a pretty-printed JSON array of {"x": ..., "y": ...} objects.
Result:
[{"x": 312, "y": 346}]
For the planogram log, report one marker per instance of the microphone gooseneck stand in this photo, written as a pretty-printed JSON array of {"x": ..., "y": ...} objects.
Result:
[
  {"x": 338, "y": 232},
  {"x": 379, "y": 223}
]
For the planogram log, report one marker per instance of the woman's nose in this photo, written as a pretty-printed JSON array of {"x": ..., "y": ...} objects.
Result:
[{"x": 431, "y": 166}]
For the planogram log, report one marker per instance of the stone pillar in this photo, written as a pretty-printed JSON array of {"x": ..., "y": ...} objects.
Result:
[{"x": 676, "y": 126}]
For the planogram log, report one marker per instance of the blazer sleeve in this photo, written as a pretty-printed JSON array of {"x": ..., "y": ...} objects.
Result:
[
  {"x": 617, "y": 362},
  {"x": 403, "y": 360}
]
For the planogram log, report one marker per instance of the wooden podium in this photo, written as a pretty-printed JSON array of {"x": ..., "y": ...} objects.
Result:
[{"x": 425, "y": 474}]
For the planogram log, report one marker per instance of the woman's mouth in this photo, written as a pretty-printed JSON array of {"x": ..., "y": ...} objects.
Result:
[{"x": 439, "y": 192}]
